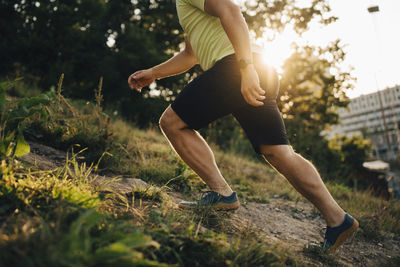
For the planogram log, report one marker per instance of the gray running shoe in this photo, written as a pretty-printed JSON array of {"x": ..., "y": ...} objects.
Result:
[{"x": 212, "y": 199}]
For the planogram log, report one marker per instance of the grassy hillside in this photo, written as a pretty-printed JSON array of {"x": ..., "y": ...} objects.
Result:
[{"x": 57, "y": 217}]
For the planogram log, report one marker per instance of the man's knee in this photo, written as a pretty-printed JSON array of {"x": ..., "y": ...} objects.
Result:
[
  {"x": 277, "y": 152},
  {"x": 169, "y": 120},
  {"x": 166, "y": 120}
]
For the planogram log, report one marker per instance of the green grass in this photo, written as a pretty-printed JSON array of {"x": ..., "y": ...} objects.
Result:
[{"x": 316, "y": 252}]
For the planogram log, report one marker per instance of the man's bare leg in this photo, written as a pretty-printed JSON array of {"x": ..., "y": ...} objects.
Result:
[
  {"x": 193, "y": 150},
  {"x": 305, "y": 179}
]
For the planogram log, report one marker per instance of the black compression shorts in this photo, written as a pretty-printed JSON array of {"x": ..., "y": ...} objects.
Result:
[{"x": 216, "y": 93}]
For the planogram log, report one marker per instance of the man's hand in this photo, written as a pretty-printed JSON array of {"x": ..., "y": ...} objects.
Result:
[
  {"x": 250, "y": 88},
  {"x": 140, "y": 79}
]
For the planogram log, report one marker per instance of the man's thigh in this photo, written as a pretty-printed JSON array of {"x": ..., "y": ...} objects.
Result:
[{"x": 263, "y": 125}]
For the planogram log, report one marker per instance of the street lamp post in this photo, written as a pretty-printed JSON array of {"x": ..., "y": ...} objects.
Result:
[{"x": 373, "y": 10}]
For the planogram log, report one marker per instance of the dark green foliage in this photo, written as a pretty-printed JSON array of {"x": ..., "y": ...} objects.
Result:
[
  {"x": 12, "y": 117},
  {"x": 354, "y": 152},
  {"x": 229, "y": 136},
  {"x": 143, "y": 113},
  {"x": 43, "y": 39}
]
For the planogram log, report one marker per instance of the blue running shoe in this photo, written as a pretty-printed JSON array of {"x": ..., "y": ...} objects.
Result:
[
  {"x": 212, "y": 199},
  {"x": 336, "y": 236}
]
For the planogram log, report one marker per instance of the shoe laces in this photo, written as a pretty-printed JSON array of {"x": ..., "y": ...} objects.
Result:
[
  {"x": 322, "y": 232},
  {"x": 326, "y": 244},
  {"x": 208, "y": 196}
]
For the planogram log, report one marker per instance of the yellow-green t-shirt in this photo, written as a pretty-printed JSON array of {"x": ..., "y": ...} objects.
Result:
[{"x": 205, "y": 32}]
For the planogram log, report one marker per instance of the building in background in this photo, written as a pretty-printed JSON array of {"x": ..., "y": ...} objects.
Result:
[{"x": 363, "y": 116}]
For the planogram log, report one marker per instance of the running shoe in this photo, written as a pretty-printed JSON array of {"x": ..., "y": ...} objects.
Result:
[
  {"x": 212, "y": 199},
  {"x": 336, "y": 236}
]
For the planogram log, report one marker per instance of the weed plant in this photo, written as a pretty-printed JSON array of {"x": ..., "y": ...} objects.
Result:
[{"x": 317, "y": 253}]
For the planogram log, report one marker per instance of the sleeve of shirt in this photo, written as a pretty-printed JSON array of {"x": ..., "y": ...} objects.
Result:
[{"x": 197, "y": 3}]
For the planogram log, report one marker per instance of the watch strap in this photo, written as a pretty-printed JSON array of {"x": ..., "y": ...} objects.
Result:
[{"x": 243, "y": 63}]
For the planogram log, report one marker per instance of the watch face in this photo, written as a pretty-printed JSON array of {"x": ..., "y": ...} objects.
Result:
[{"x": 243, "y": 63}]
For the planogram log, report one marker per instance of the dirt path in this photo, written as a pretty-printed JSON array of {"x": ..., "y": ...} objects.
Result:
[
  {"x": 288, "y": 224},
  {"x": 294, "y": 225}
]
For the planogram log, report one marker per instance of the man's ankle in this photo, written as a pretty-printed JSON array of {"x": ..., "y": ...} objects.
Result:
[
  {"x": 337, "y": 221},
  {"x": 226, "y": 192}
]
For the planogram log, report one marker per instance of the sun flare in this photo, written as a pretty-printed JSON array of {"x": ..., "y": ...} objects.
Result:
[{"x": 277, "y": 51}]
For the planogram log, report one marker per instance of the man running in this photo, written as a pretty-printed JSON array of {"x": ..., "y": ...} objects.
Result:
[{"x": 235, "y": 81}]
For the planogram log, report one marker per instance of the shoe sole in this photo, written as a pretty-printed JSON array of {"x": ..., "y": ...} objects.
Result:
[
  {"x": 219, "y": 206},
  {"x": 344, "y": 236}
]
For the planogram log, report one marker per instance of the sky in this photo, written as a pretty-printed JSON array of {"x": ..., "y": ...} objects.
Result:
[{"x": 372, "y": 42}]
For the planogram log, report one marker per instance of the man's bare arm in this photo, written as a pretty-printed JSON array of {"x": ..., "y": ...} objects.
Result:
[
  {"x": 237, "y": 31},
  {"x": 179, "y": 63}
]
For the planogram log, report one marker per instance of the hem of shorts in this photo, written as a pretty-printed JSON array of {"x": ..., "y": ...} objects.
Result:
[
  {"x": 184, "y": 120},
  {"x": 257, "y": 149}
]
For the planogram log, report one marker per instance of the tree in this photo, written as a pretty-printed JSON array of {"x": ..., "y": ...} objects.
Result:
[
  {"x": 274, "y": 16},
  {"x": 93, "y": 38},
  {"x": 354, "y": 152},
  {"x": 86, "y": 40},
  {"x": 313, "y": 86}
]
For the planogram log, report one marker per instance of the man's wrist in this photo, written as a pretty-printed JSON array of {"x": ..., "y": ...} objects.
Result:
[
  {"x": 249, "y": 67},
  {"x": 244, "y": 63},
  {"x": 154, "y": 73}
]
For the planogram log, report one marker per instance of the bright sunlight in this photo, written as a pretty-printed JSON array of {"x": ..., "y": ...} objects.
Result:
[{"x": 277, "y": 51}]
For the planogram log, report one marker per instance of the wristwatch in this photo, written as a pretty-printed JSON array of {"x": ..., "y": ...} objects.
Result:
[{"x": 243, "y": 63}]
